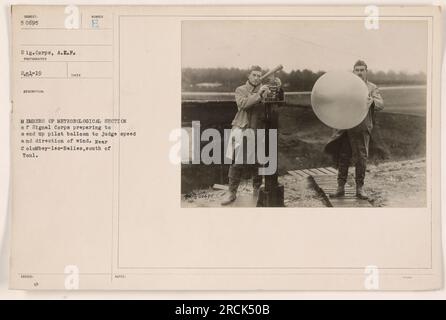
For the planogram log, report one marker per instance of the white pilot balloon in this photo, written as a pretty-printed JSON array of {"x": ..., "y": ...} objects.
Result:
[{"x": 339, "y": 99}]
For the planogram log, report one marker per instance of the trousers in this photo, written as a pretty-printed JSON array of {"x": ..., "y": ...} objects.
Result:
[{"x": 354, "y": 149}]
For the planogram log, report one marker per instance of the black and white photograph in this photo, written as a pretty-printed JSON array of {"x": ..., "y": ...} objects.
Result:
[
  {"x": 225, "y": 149},
  {"x": 304, "y": 113}
]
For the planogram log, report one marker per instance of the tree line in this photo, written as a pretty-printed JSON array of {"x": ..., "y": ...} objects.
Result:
[{"x": 227, "y": 79}]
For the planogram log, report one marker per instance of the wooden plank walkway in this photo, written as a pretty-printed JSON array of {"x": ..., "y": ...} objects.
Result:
[
  {"x": 326, "y": 185},
  {"x": 305, "y": 173},
  {"x": 324, "y": 180}
]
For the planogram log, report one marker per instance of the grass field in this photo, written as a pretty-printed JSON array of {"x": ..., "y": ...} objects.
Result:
[
  {"x": 302, "y": 138},
  {"x": 402, "y": 99}
]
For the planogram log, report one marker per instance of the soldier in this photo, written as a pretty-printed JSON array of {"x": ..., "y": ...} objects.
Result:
[
  {"x": 248, "y": 118},
  {"x": 352, "y": 145}
]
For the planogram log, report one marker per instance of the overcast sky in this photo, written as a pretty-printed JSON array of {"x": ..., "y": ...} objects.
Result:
[{"x": 315, "y": 45}]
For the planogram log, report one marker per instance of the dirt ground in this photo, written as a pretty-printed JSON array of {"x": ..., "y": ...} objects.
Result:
[
  {"x": 302, "y": 138},
  {"x": 396, "y": 172},
  {"x": 389, "y": 184},
  {"x": 398, "y": 184}
]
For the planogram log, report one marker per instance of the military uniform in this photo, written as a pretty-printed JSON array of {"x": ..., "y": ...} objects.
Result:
[
  {"x": 352, "y": 146},
  {"x": 249, "y": 117}
]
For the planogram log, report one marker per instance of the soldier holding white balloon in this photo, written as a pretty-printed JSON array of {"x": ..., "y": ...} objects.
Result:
[{"x": 351, "y": 146}]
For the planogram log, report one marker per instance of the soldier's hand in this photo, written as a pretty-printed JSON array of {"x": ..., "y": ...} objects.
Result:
[
  {"x": 369, "y": 101},
  {"x": 263, "y": 89}
]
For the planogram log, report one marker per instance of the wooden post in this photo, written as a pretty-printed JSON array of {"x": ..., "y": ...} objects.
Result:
[{"x": 272, "y": 193}]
